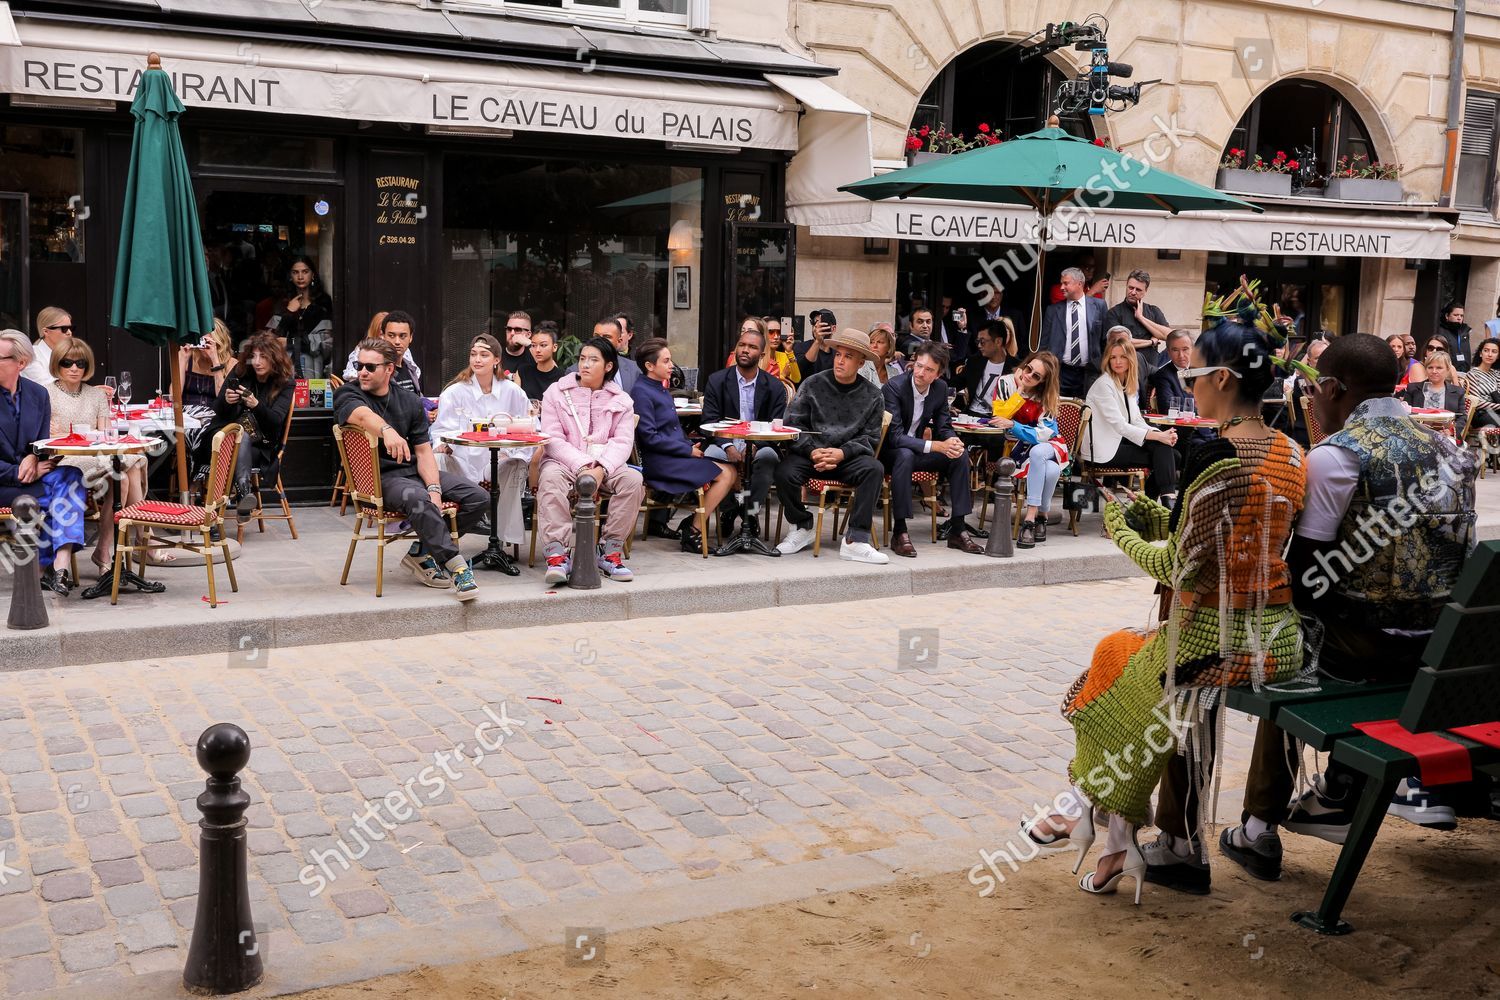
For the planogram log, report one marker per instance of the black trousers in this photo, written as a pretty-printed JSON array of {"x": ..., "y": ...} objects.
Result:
[
  {"x": 1074, "y": 380},
  {"x": 408, "y": 494},
  {"x": 865, "y": 473},
  {"x": 1160, "y": 458},
  {"x": 903, "y": 462}
]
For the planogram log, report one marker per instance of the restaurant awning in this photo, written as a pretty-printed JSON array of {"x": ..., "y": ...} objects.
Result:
[
  {"x": 833, "y": 147},
  {"x": 59, "y": 60},
  {"x": 1286, "y": 233},
  {"x": 8, "y": 34}
]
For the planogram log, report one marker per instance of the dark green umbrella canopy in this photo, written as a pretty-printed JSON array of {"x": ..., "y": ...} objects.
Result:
[
  {"x": 161, "y": 282},
  {"x": 1044, "y": 169}
]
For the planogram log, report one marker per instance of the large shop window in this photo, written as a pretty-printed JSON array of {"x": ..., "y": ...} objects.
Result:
[
  {"x": 1308, "y": 121},
  {"x": 571, "y": 241},
  {"x": 47, "y": 164},
  {"x": 990, "y": 85},
  {"x": 1476, "y": 155}
]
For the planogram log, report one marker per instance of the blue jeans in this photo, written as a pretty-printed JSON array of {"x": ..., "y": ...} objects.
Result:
[{"x": 1042, "y": 476}]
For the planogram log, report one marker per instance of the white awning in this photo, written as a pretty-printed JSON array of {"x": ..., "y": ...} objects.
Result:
[
  {"x": 8, "y": 34},
  {"x": 1280, "y": 234},
  {"x": 833, "y": 148},
  {"x": 66, "y": 61}
]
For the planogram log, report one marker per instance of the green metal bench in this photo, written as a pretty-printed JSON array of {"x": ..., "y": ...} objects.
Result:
[{"x": 1459, "y": 686}]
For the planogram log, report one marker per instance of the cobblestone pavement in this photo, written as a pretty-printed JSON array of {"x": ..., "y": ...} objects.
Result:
[{"x": 683, "y": 748}]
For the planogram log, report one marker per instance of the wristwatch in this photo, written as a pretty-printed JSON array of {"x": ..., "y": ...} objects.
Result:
[{"x": 435, "y": 488}]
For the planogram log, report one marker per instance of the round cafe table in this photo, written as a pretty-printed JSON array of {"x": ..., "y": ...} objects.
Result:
[
  {"x": 493, "y": 556},
  {"x": 1438, "y": 418},
  {"x": 1193, "y": 423},
  {"x": 116, "y": 452},
  {"x": 748, "y": 539}
]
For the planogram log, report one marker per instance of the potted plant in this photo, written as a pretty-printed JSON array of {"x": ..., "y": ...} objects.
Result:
[
  {"x": 1359, "y": 178},
  {"x": 1257, "y": 175},
  {"x": 927, "y": 143}
]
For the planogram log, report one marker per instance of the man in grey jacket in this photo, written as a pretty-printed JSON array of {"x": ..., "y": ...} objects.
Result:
[{"x": 840, "y": 416}]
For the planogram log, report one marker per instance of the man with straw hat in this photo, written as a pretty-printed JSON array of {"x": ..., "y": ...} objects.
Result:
[{"x": 840, "y": 416}]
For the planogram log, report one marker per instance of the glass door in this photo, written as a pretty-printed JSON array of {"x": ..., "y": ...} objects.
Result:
[
  {"x": 14, "y": 260},
  {"x": 760, "y": 280}
]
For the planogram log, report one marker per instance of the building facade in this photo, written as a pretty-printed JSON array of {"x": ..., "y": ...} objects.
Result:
[{"x": 1343, "y": 78}]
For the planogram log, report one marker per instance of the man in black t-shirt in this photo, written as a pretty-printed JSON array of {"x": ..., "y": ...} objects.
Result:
[
  {"x": 517, "y": 340},
  {"x": 409, "y": 477},
  {"x": 1147, "y": 325}
]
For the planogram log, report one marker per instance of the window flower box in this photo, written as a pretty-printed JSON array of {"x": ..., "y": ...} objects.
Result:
[
  {"x": 1364, "y": 189},
  {"x": 1267, "y": 182}
]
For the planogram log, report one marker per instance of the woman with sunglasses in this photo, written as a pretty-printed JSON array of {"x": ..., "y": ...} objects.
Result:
[
  {"x": 778, "y": 359},
  {"x": 53, "y": 327},
  {"x": 1230, "y": 623},
  {"x": 1034, "y": 425},
  {"x": 1411, "y": 369},
  {"x": 74, "y": 401},
  {"x": 257, "y": 394},
  {"x": 1119, "y": 436}
]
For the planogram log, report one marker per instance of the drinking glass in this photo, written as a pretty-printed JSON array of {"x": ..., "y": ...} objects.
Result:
[
  {"x": 113, "y": 387},
  {"x": 122, "y": 390}
]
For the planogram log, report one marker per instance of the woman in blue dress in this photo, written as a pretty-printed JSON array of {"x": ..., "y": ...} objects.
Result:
[{"x": 670, "y": 462}]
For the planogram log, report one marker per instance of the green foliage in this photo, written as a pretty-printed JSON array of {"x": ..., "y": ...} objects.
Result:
[{"x": 568, "y": 350}]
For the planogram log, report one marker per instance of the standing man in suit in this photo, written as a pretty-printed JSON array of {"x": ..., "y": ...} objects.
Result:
[
  {"x": 745, "y": 392},
  {"x": 953, "y": 330},
  {"x": 1073, "y": 329},
  {"x": 921, "y": 438}
]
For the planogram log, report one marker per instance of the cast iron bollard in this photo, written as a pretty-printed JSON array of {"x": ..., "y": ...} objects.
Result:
[
  {"x": 585, "y": 575},
  {"x": 27, "y": 609},
  {"x": 1001, "y": 545},
  {"x": 224, "y": 956}
]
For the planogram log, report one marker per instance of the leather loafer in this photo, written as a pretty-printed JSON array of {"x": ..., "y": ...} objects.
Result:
[
  {"x": 964, "y": 542},
  {"x": 901, "y": 545},
  {"x": 58, "y": 583},
  {"x": 945, "y": 529}
]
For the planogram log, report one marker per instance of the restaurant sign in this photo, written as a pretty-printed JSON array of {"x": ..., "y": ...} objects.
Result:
[{"x": 520, "y": 100}]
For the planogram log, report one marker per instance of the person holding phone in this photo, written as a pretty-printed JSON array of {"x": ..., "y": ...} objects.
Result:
[
  {"x": 816, "y": 355},
  {"x": 257, "y": 394}
]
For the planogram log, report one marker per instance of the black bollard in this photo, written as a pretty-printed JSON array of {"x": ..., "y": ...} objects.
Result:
[
  {"x": 224, "y": 956},
  {"x": 27, "y": 608},
  {"x": 1001, "y": 545},
  {"x": 585, "y": 575}
]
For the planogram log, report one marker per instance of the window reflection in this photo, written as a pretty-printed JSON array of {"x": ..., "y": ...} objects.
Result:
[{"x": 47, "y": 163}]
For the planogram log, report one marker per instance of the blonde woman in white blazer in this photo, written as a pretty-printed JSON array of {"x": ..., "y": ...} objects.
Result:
[{"x": 1118, "y": 434}]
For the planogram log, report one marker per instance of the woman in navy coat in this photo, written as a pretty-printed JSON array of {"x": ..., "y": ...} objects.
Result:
[{"x": 670, "y": 462}]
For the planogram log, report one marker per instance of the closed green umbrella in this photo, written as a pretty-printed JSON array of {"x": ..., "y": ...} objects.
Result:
[
  {"x": 161, "y": 282},
  {"x": 1046, "y": 169}
]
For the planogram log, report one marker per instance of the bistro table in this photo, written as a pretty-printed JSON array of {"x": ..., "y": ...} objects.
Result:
[
  {"x": 1433, "y": 418},
  {"x": 977, "y": 433},
  {"x": 494, "y": 557},
  {"x": 748, "y": 539},
  {"x": 1192, "y": 422},
  {"x": 116, "y": 452}
]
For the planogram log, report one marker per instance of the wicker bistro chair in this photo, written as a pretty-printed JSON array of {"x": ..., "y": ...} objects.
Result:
[
  {"x": 1070, "y": 422},
  {"x": 359, "y": 455},
  {"x": 1135, "y": 476},
  {"x": 340, "y": 496},
  {"x": 843, "y": 494},
  {"x": 7, "y": 529},
  {"x": 927, "y": 481},
  {"x": 1310, "y": 420},
  {"x": 259, "y": 514},
  {"x": 671, "y": 503},
  {"x": 183, "y": 517}
]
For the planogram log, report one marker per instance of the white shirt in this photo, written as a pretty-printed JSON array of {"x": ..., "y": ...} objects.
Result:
[
  {"x": 504, "y": 398},
  {"x": 919, "y": 403},
  {"x": 39, "y": 369}
]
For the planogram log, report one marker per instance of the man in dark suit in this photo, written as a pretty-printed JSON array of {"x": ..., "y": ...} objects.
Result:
[
  {"x": 1073, "y": 329},
  {"x": 952, "y": 329},
  {"x": 921, "y": 438},
  {"x": 26, "y": 416},
  {"x": 1166, "y": 386},
  {"x": 745, "y": 392}
]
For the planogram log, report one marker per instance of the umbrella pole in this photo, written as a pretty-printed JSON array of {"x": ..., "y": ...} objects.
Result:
[
  {"x": 179, "y": 435},
  {"x": 1041, "y": 287}
]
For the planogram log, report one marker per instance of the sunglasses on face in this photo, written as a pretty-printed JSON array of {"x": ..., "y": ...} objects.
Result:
[
  {"x": 1189, "y": 375},
  {"x": 72, "y": 363},
  {"x": 517, "y": 329},
  {"x": 1030, "y": 373},
  {"x": 366, "y": 366},
  {"x": 65, "y": 328}
]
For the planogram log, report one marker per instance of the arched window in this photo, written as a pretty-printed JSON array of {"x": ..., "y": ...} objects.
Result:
[
  {"x": 1308, "y": 121},
  {"x": 990, "y": 84}
]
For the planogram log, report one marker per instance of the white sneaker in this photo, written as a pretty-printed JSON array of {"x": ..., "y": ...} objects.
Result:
[
  {"x": 795, "y": 541},
  {"x": 862, "y": 552}
]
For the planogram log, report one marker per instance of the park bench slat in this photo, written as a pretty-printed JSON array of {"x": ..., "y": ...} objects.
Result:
[
  {"x": 1265, "y": 703},
  {"x": 1382, "y": 761},
  {"x": 1320, "y": 724},
  {"x": 1463, "y": 637}
]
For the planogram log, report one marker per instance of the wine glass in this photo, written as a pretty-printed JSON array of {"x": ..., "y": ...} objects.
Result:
[
  {"x": 113, "y": 387},
  {"x": 122, "y": 390}
]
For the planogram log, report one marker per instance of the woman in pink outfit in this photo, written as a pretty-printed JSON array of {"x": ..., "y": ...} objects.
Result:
[{"x": 590, "y": 422}]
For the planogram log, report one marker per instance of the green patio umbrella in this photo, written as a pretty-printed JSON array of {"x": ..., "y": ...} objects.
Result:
[
  {"x": 161, "y": 282},
  {"x": 1045, "y": 170}
]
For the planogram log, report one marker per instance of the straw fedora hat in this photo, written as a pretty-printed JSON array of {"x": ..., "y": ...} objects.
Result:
[{"x": 855, "y": 340}]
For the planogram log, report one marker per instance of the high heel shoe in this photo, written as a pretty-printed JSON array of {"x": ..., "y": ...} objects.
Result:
[
  {"x": 1135, "y": 867},
  {"x": 1082, "y": 836}
]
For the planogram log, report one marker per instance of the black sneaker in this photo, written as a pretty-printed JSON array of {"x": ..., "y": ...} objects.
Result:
[
  {"x": 1415, "y": 804},
  {"x": 1318, "y": 814},
  {"x": 1260, "y": 857},
  {"x": 1165, "y": 867}
]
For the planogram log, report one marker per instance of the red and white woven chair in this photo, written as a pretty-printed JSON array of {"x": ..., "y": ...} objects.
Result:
[
  {"x": 843, "y": 493},
  {"x": 359, "y": 455},
  {"x": 176, "y": 517},
  {"x": 1069, "y": 424},
  {"x": 1134, "y": 475},
  {"x": 259, "y": 515},
  {"x": 928, "y": 481}
]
